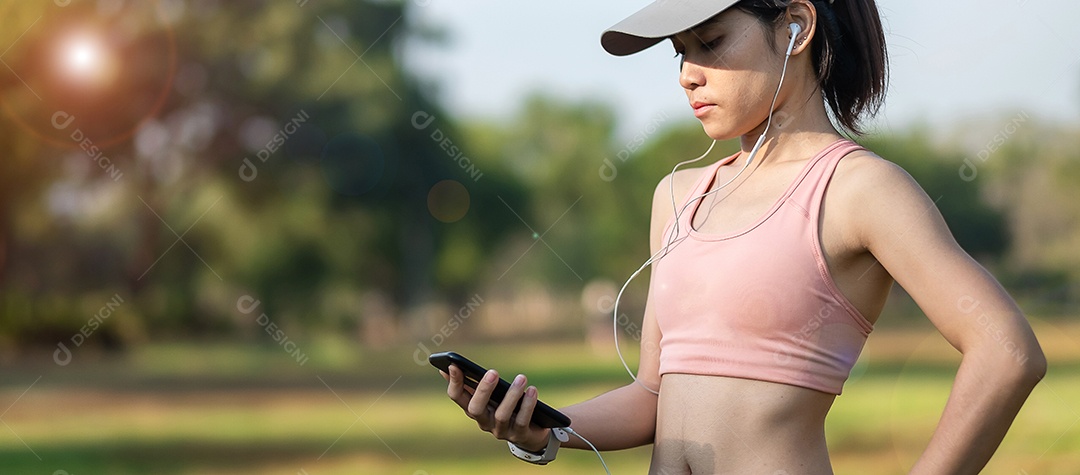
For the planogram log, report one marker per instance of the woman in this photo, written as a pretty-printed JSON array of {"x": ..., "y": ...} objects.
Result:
[{"x": 773, "y": 267}]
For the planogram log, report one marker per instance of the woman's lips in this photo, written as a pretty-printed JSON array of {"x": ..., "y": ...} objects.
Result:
[{"x": 702, "y": 108}]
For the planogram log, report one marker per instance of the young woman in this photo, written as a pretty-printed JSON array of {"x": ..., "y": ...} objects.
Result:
[{"x": 773, "y": 264}]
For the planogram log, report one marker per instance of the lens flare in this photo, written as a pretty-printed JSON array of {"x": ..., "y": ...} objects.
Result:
[
  {"x": 86, "y": 60},
  {"x": 82, "y": 56}
]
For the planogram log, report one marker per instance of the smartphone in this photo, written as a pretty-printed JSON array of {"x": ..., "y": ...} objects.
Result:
[{"x": 543, "y": 415}]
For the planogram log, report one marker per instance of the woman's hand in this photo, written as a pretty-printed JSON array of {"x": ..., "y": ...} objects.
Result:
[{"x": 501, "y": 421}]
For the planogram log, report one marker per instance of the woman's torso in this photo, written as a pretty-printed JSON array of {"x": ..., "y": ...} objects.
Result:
[
  {"x": 718, "y": 424},
  {"x": 710, "y": 424}
]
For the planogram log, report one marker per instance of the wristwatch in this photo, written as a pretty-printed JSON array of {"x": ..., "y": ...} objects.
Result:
[{"x": 555, "y": 438}]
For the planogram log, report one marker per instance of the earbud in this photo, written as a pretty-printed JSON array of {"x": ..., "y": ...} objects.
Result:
[{"x": 795, "y": 30}]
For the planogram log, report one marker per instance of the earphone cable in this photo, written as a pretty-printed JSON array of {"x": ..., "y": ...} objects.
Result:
[{"x": 593, "y": 447}]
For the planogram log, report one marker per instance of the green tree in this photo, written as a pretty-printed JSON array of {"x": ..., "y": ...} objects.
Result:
[{"x": 287, "y": 154}]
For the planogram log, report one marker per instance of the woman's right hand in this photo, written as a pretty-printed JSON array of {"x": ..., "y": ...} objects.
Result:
[{"x": 501, "y": 421}]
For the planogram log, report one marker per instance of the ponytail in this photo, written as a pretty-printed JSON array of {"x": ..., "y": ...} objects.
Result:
[{"x": 849, "y": 54}]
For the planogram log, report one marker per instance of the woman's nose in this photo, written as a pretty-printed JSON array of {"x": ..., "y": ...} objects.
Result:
[{"x": 690, "y": 75}]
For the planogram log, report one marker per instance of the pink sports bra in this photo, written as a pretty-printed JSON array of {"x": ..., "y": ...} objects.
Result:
[{"x": 759, "y": 303}]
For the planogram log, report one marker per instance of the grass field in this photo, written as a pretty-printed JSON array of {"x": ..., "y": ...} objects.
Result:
[{"x": 229, "y": 409}]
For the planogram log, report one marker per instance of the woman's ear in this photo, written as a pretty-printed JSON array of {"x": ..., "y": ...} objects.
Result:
[{"x": 804, "y": 14}]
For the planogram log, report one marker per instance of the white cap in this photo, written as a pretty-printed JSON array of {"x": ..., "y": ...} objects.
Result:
[{"x": 661, "y": 19}]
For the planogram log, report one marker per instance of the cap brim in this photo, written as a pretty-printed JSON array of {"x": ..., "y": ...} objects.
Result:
[{"x": 660, "y": 20}]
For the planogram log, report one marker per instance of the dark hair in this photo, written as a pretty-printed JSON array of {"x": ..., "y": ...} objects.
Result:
[{"x": 849, "y": 53}]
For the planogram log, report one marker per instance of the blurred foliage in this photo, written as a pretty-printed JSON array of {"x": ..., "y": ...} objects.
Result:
[
  {"x": 295, "y": 161},
  {"x": 285, "y": 165}
]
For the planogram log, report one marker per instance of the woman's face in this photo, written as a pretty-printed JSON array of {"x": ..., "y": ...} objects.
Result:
[{"x": 731, "y": 69}]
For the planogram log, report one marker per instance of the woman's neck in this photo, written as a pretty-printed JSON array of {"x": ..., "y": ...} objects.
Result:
[{"x": 799, "y": 129}]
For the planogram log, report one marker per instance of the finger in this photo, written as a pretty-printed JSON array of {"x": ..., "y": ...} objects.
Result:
[
  {"x": 444, "y": 375},
  {"x": 505, "y": 411},
  {"x": 478, "y": 404},
  {"x": 525, "y": 434},
  {"x": 528, "y": 405},
  {"x": 461, "y": 379},
  {"x": 456, "y": 388},
  {"x": 456, "y": 382}
]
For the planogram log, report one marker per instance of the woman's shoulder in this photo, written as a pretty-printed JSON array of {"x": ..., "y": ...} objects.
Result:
[
  {"x": 869, "y": 190},
  {"x": 673, "y": 187},
  {"x": 679, "y": 182},
  {"x": 864, "y": 171}
]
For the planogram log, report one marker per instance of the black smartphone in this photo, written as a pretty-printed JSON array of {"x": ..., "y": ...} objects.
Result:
[{"x": 543, "y": 415}]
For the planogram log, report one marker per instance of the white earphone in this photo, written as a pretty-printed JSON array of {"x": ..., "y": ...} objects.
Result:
[
  {"x": 795, "y": 30},
  {"x": 674, "y": 237}
]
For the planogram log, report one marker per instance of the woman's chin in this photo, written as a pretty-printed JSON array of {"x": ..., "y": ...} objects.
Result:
[{"x": 718, "y": 132}]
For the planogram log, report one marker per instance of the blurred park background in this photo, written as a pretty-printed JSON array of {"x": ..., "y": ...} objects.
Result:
[{"x": 232, "y": 231}]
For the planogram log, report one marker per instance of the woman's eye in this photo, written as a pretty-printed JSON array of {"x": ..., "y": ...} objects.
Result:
[{"x": 712, "y": 45}]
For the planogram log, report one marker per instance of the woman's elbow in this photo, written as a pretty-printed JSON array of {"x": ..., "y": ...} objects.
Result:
[
  {"x": 1034, "y": 368},
  {"x": 1033, "y": 365},
  {"x": 1026, "y": 365},
  {"x": 1017, "y": 362}
]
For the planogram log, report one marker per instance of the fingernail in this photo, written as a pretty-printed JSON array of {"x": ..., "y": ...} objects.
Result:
[
  {"x": 519, "y": 380},
  {"x": 490, "y": 376}
]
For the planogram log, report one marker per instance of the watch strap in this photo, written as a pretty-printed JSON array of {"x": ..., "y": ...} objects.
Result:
[{"x": 555, "y": 438}]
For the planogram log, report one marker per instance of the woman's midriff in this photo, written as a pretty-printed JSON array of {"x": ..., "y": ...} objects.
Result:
[{"x": 713, "y": 424}]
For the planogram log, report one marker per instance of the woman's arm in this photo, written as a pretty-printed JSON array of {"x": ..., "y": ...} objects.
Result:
[
  {"x": 603, "y": 420},
  {"x": 1002, "y": 361},
  {"x": 616, "y": 420},
  {"x": 619, "y": 419}
]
